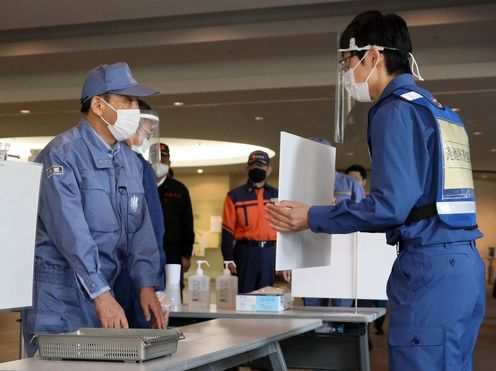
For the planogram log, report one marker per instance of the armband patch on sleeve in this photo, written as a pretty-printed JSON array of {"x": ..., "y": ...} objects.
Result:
[{"x": 54, "y": 170}]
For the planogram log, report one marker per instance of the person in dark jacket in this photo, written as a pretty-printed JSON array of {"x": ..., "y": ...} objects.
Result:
[{"x": 178, "y": 215}]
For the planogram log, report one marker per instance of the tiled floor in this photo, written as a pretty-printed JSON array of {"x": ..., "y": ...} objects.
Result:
[{"x": 484, "y": 356}]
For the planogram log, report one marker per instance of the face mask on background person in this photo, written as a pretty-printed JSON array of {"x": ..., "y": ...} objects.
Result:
[
  {"x": 126, "y": 124},
  {"x": 145, "y": 145},
  {"x": 160, "y": 169},
  {"x": 358, "y": 90},
  {"x": 257, "y": 175}
]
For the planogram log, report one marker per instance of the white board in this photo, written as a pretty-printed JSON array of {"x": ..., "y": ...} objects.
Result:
[
  {"x": 306, "y": 174},
  {"x": 19, "y": 191},
  {"x": 360, "y": 267}
]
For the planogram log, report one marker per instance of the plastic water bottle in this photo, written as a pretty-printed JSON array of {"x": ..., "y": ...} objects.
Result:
[
  {"x": 226, "y": 288},
  {"x": 199, "y": 289}
]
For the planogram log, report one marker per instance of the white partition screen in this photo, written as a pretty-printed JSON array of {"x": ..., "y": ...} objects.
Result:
[
  {"x": 360, "y": 267},
  {"x": 19, "y": 191}
]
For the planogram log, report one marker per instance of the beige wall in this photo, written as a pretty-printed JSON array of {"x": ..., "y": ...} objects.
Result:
[
  {"x": 486, "y": 215},
  {"x": 207, "y": 197}
]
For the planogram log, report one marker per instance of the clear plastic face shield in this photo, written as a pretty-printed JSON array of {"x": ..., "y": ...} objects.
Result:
[
  {"x": 348, "y": 90},
  {"x": 147, "y": 137}
]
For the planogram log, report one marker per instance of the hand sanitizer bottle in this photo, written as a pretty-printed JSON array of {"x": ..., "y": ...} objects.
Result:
[
  {"x": 199, "y": 289},
  {"x": 226, "y": 288}
]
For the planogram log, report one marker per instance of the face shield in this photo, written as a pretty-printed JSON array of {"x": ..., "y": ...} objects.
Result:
[
  {"x": 344, "y": 102},
  {"x": 346, "y": 85},
  {"x": 147, "y": 137}
]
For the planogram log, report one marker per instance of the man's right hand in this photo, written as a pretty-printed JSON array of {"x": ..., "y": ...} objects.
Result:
[
  {"x": 232, "y": 268},
  {"x": 109, "y": 312}
]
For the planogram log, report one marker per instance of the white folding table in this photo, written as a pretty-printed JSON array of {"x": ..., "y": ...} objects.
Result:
[
  {"x": 213, "y": 345},
  {"x": 309, "y": 350}
]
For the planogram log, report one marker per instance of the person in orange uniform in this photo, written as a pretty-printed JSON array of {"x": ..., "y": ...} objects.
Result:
[{"x": 247, "y": 237}]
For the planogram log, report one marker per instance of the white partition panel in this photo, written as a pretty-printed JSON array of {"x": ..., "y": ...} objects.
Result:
[
  {"x": 360, "y": 266},
  {"x": 19, "y": 191}
]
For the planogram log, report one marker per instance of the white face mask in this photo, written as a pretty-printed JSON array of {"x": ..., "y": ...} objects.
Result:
[
  {"x": 145, "y": 142},
  {"x": 358, "y": 90},
  {"x": 161, "y": 170},
  {"x": 143, "y": 148},
  {"x": 126, "y": 124}
]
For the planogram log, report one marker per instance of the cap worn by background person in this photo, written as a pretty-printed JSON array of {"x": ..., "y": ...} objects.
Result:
[
  {"x": 320, "y": 140},
  {"x": 115, "y": 79},
  {"x": 164, "y": 150},
  {"x": 258, "y": 156}
]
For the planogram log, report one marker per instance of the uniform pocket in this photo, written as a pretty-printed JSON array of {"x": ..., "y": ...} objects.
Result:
[
  {"x": 417, "y": 348},
  {"x": 48, "y": 323},
  {"x": 97, "y": 207},
  {"x": 135, "y": 205},
  {"x": 414, "y": 269}
]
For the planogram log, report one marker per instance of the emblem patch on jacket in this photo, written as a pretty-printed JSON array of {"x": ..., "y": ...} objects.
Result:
[
  {"x": 54, "y": 170},
  {"x": 134, "y": 203}
]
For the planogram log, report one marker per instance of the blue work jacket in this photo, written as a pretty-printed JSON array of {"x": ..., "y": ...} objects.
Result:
[
  {"x": 93, "y": 215},
  {"x": 403, "y": 146}
]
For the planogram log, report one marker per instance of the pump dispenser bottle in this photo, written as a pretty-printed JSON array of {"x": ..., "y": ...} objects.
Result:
[
  {"x": 199, "y": 289},
  {"x": 226, "y": 288}
]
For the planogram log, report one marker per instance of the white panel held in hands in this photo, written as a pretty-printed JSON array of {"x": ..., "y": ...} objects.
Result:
[{"x": 306, "y": 174}]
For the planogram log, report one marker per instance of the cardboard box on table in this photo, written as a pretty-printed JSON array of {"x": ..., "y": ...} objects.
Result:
[{"x": 267, "y": 299}]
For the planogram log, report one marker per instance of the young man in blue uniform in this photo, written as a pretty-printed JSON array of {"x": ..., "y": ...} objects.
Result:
[
  {"x": 358, "y": 172},
  {"x": 93, "y": 217},
  {"x": 421, "y": 195},
  {"x": 247, "y": 237}
]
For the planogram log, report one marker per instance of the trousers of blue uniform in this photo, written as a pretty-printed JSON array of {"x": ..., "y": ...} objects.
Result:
[
  {"x": 255, "y": 265},
  {"x": 60, "y": 306},
  {"x": 437, "y": 302}
]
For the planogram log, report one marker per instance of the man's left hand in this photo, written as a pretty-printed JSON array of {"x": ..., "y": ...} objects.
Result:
[{"x": 150, "y": 305}]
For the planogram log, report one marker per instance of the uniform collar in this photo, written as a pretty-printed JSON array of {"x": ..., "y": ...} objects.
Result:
[
  {"x": 399, "y": 81},
  {"x": 101, "y": 152},
  {"x": 251, "y": 188}
]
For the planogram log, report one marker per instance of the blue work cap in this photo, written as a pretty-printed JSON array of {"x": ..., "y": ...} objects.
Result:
[
  {"x": 260, "y": 157},
  {"x": 320, "y": 140},
  {"x": 114, "y": 79}
]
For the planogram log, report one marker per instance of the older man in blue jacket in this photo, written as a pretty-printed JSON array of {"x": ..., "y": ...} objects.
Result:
[{"x": 93, "y": 216}]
